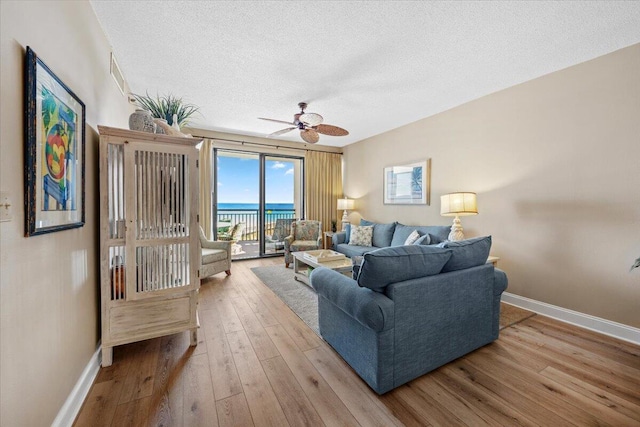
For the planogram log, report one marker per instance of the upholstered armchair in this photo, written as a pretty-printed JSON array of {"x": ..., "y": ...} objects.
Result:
[
  {"x": 306, "y": 235},
  {"x": 216, "y": 256}
]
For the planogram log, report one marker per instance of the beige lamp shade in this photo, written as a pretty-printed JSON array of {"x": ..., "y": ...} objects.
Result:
[
  {"x": 458, "y": 204},
  {"x": 345, "y": 204}
]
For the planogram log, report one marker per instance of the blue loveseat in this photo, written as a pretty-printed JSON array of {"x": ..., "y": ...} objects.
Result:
[
  {"x": 385, "y": 235},
  {"x": 411, "y": 310}
]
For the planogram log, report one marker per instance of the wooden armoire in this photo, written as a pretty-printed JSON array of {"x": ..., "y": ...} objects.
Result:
[{"x": 149, "y": 241}]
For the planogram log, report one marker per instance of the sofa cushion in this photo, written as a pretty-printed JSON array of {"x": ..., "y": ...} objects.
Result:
[
  {"x": 382, "y": 233},
  {"x": 213, "y": 255},
  {"x": 347, "y": 230},
  {"x": 352, "y": 250},
  {"x": 361, "y": 235},
  {"x": 401, "y": 233},
  {"x": 382, "y": 267},
  {"x": 467, "y": 253}
]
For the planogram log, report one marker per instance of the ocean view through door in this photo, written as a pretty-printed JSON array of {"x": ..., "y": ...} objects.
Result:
[{"x": 256, "y": 198}]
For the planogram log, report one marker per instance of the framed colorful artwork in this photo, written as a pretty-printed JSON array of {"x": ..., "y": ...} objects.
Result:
[
  {"x": 408, "y": 184},
  {"x": 54, "y": 151}
]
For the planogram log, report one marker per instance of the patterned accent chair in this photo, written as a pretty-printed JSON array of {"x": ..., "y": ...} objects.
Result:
[
  {"x": 216, "y": 256},
  {"x": 306, "y": 235}
]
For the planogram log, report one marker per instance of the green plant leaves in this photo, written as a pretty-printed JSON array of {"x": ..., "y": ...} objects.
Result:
[{"x": 164, "y": 107}]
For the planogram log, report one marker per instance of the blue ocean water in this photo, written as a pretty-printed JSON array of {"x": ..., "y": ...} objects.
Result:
[
  {"x": 248, "y": 213},
  {"x": 254, "y": 206}
]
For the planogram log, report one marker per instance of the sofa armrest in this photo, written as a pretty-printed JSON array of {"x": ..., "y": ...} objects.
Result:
[
  {"x": 500, "y": 283},
  {"x": 338, "y": 237},
  {"x": 287, "y": 242},
  {"x": 372, "y": 309}
]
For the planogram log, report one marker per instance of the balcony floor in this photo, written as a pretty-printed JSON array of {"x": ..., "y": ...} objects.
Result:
[{"x": 251, "y": 249}]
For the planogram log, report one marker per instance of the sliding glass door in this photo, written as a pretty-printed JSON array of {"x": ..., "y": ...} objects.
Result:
[
  {"x": 282, "y": 200},
  {"x": 256, "y": 198}
]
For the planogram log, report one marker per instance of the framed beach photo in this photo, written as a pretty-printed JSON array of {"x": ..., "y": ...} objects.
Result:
[
  {"x": 54, "y": 151},
  {"x": 407, "y": 184}
]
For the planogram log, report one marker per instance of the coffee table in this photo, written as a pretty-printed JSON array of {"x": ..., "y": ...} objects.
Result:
[{"x": 302, "y": 266}]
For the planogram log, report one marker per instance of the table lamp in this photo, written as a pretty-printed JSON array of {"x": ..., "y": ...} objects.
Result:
[
  {"x": 457, "y": 205},
  {"x": 344, "y": 205}
]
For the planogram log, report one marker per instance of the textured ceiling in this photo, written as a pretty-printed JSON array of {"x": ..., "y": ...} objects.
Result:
[{"x": 365, "y": 66}]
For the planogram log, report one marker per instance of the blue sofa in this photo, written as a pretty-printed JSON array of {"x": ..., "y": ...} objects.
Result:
[
  {"x": 385, "y": 235},
  {"x": 412, "y": 309}
]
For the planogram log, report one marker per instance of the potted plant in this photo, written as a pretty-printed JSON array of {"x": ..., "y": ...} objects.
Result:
[
  {"x": 164, "y": 107},
  {"x": 334, "y": 225}
]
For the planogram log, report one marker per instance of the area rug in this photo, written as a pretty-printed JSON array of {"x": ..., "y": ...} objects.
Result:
[{"x": 303, "y": 300}]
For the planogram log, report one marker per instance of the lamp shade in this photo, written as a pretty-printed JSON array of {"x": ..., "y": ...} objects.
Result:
[
  {"x": 344, "y": 204},
  {"x": 458, "y": 204}
]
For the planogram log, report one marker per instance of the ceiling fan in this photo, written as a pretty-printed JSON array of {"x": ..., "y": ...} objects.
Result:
[{"x": 310, "y": 125}]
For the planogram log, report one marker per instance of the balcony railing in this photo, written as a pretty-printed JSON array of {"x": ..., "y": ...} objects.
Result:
[{"x": 226, "y": 218}]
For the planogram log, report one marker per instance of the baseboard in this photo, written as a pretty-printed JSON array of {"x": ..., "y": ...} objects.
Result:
[
  {"x": 69, "y": 411},
  {"x": 597, "y": 324}
]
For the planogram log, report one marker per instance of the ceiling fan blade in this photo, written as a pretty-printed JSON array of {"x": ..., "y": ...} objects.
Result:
[
  {"x": 311, "y": 119},
  {"x": 310, "y": 136},
  {"x": 280, "y": 132},
  {"x": 277, "y": 121},
  {"x": 331, "y": 130}
]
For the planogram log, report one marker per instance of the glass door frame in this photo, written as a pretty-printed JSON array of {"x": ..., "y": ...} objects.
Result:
[
  {"x": 263, "y": 189},
  {"x": 262, "y": 159}
]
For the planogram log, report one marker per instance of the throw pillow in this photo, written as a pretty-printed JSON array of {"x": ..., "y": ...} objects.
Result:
[
  {"x": 412, "y": 238},
  {"x": 437, "y": 233},
  {"x": 382, "y": 267},
  {"x": 423, "y": 240},
  {"x": 361, "y": 235},
  {"x": 467, "y": 253}
]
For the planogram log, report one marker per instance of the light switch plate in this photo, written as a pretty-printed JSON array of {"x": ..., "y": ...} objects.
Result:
[{"x": 6, "y": 208}]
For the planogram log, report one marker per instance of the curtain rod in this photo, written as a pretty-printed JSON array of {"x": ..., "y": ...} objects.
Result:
[{"x": 262, "y": 143}]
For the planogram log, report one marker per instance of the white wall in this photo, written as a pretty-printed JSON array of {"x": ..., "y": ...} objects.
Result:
[
  {"x": 49, "y": 284},
  {"x": 556, "y": 166}
]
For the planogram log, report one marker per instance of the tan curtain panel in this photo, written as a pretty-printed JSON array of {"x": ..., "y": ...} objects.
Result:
[
  {"x": 206, "y": 180},
  {"x": 323, "y": 179}
]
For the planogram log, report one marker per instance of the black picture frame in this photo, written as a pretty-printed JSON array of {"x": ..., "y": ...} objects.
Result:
[{"x": 54, "y": 170}]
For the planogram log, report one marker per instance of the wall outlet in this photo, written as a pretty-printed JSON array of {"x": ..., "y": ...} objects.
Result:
[{"x": 6, "y": 208}]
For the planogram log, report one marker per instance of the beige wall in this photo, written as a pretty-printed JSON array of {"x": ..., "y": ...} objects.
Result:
[
  {"x": 49, "y": 284},
  {"x": 556, "y": 166}
]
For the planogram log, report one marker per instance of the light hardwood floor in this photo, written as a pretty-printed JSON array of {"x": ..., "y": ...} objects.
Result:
[{"x": 257, "y": 363}]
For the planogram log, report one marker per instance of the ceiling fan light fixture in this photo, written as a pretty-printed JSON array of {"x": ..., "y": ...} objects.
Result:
[
  {"x": 310, "y": 125},
  {"x": 311, "y": 119}
]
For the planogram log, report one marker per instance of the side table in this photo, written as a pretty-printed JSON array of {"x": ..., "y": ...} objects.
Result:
[
  {"x": 327, "y": 240},
  {"x": 493, "y": 260}
]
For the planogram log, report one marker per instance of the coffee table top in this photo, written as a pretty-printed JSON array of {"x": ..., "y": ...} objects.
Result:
[{"x": 340, "y": 264}]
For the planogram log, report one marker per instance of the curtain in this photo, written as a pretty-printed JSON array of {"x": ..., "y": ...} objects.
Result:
[
  {"x": 206, "y": 180},
  {"x": 323, "y": 179}
]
